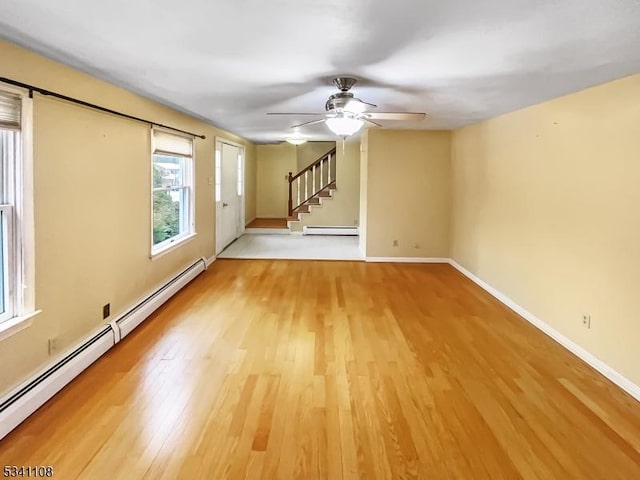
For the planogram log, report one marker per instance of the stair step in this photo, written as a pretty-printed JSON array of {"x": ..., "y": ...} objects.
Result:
[
  {"x": 314, "y": 201},
  {"x": 302, "y": 209},
  {"x": 324, "y": 194}
]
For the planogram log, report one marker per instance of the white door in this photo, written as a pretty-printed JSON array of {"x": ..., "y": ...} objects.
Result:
[{"x": 229, "y": 192}]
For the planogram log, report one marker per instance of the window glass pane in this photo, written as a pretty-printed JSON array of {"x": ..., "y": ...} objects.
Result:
[
  {"x": 240, "y": 176},
  {"x": 169, "y": 214},
  {"x": 168, "y": 171},
  {"x": 218, "y": 174}
]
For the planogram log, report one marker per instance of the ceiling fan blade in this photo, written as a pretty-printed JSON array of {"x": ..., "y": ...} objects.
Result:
[
  {"x": 297, "y": 114},
  {"x": 371, "y": 122},
  {"x": 395, "y": 116},
  {"x": 305, "y": 124}
]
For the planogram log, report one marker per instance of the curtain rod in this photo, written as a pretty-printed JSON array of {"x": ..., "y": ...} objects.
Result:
[{"x": 49, "y": 93}]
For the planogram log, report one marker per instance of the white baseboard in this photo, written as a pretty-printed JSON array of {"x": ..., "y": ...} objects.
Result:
[
  {"x": 25, "y": 399},
  {"x": 406, "y": 260},
  {"x": 209, "y": 261},
  {"x": 616, "y": 377},
  {"x": 337, "y": 230}
]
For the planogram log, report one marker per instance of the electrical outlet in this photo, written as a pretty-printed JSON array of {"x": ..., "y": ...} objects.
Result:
[
  {"x": 53, "y": 345},
  {"x": 395, "y": 243},
  {"x": 586, "y": 321},
  {"x": 106, "y": 311}
]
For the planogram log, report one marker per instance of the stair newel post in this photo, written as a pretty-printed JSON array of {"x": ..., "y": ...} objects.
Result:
[{"x": 290, "y": 197}]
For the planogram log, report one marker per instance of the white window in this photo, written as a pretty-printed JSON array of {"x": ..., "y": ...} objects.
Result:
[
  {"x": 173, "y": 195},
  {"x": 16, "y": 211},
  {"x": 240, "y": 175},
  {"x": 218, "y": 173}
]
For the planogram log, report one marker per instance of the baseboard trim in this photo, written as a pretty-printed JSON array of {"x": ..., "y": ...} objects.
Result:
[
  {"x": 337, "y": 230},
  {"x": 406, "y": 260},
  {"x": 610, "y": 373},
  {"x": 209, "y": 261},
  {"x": 26, "y": 398},
  {"x": 249, "y": 221}
]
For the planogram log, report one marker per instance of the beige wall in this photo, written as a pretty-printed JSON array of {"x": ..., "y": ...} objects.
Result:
[
  {"x": 92, "y": 207},
  {"x": 407, "y": 193},
  {"x": 274, "y": 162},
  {"x": 545, "y": 209},
  {"x": 344, "y": 208},
  {"x": 309, "y": 152}
]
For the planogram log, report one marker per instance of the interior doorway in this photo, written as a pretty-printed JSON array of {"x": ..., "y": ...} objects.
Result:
[{"x": 229, "y": 175}]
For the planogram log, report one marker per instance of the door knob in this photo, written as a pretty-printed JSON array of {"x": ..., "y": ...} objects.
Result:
[{"x": 225, "y": 204}]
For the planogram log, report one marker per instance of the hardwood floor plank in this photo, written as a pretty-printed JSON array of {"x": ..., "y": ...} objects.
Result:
[{"x": 309, "y": 369}]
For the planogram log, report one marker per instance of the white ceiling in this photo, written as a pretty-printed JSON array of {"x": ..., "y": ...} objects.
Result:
[{"x": 231, "y": 61}]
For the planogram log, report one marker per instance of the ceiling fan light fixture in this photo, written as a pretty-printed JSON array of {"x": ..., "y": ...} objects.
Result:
[
  {"x": 355, "y": 106},
  {"x": 344, "y": 125},
  {"x": 296, "y": 140}
]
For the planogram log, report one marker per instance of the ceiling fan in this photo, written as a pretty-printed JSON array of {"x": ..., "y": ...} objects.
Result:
[{"x": 345, "y": 114}]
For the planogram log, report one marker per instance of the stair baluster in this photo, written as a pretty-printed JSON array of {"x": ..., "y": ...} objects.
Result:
[{"x": 304, "y": 200}]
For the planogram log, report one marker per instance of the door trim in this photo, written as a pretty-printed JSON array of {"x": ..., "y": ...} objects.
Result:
[{"x": 219, "y": 141}]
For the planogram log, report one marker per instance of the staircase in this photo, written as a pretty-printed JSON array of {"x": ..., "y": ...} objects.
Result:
[{"x": 311, "y": 186}]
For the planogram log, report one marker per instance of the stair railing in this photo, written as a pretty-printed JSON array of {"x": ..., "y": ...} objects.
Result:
[{"x": 316, "y": 177}]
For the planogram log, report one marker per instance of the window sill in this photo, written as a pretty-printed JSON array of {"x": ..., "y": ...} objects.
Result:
[
  {"x": 14, "y": 325},
  {"x": 178, "y": 242}
]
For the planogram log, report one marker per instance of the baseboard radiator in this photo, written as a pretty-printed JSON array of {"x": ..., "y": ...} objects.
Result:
[
  {"x": 318, "y": 230},
  {"x": 16, "y": 406},
  {"x": 136, "y": 315}
]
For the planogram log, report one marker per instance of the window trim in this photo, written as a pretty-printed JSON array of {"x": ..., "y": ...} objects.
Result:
[
  {"x": 172, "y": 243},
  {"x": 23, "y": 238}
]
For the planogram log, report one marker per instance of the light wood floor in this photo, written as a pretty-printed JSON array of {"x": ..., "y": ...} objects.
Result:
[
  {"x": 268, "y": 223},
  {"x": 298, "y": 369}
]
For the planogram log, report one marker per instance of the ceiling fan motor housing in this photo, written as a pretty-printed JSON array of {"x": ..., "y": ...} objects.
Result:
[
  {"x": 344, "y": 83},
  {"x": 338, "y": 101}
]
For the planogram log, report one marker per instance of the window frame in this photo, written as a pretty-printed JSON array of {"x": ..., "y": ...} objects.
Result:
[
  {"x": 9, "y": 261},
  {"x": 188, "y": 186},
  {"x": 19, "y": 223}
]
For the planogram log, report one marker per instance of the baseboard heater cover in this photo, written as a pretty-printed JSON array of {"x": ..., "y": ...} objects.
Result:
[
  {"x": 319, "y": 230},
  {"x": 136, "y": 315},
  {"x": 30, "y": 396},
  {"x": 21, "y": 402}
]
